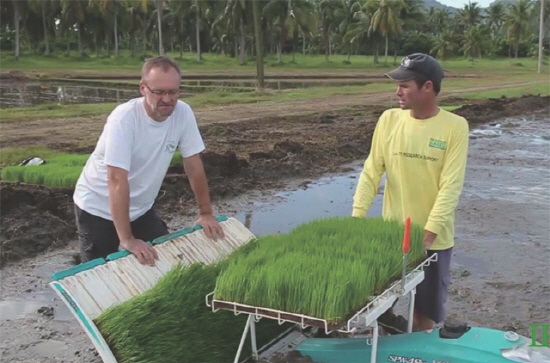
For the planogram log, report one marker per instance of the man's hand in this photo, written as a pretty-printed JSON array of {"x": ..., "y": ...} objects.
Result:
[
  {"x": 429, "y": 238},
  {"x": 145, "y": 254},
  {"x": 211, "y": 226}
]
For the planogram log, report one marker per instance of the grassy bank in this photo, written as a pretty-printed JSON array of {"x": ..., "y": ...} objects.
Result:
[{"x": 214, "y": 63}]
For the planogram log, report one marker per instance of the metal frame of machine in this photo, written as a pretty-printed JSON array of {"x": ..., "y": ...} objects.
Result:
[{"x": 365, "y": 318}]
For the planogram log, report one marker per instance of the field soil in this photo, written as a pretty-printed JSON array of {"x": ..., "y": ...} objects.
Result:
[{"x": 501, "y": 256}]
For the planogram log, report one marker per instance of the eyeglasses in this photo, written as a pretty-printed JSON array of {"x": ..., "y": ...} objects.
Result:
[{"x": 161, "y": 93}]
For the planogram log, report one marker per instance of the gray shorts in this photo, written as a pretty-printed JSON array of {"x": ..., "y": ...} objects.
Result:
[{"x": 431, "y": 294}]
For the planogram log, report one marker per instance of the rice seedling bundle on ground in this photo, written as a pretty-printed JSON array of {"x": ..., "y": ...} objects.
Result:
[
  {"x": 170, "y": 323},
  {"x": 326, "y": 269},
  {"x": 60, "y": 171}
]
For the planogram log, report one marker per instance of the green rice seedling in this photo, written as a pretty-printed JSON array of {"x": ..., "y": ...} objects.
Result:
[
  {"x": 170, "y": 323},
  {"x": 60, "y": 171},
  {"x": 13, "y": 173},
  {"x": 326, "y": 269}
]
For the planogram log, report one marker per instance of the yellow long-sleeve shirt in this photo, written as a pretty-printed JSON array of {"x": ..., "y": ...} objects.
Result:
[{"x": 425, "y": 163}]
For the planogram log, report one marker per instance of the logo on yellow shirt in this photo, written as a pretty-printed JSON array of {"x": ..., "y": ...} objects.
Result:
[{"x": 438, "y": 144}]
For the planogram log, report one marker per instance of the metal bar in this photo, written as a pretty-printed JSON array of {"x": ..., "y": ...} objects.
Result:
[
  {"x": 253, "y": 337},
  {"x": 243, "y": 338},
  {"x": 411, "y": 311},
  {"x": 374, "y": 349}
]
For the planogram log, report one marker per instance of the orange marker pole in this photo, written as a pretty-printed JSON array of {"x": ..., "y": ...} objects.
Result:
[{"x": 406, "y": 248}]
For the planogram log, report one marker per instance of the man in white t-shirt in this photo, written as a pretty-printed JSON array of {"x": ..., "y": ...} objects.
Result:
[{"x": 115, "y": 193}]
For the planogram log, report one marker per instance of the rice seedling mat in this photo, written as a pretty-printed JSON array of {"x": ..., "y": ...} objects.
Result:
[
  {"x": 361, "y": 320},
  {"x": 91, "y": 288}
]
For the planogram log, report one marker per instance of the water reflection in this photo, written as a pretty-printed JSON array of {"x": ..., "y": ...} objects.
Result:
[{"x": 24, "y": 94}]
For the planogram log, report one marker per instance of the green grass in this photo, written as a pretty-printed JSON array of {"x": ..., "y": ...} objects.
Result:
[
  {"x": 50, "y": 111},
  {"x": 535, "y": 89},
  {"x": 171, "y": 323},
  {"x": 213, "y": 63},
  {"x": 61, "y": 170},
  {"x": 326, "y": 269}
]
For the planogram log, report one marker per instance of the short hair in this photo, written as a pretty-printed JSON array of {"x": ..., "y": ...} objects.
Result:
[
  {"x": 437, "y": 85},
  {"x": 161, "y": 61}
]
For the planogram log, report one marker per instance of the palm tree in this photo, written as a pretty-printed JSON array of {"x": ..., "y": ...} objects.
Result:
[
  {"x": 74, "y": 15},
  {"x": 517, "y": 22},
  {"x": 474, "y": 41},
  {"x": 386, "y": 19},
  {"x": 289, "y": 16},
  {"x": 135, "y": 20},
  {"x": 235, "y": 17},
  {"x": 496, "y": 15},
  {"x": 358, "y": 29},
  {"x": 439, "y": 19},
  {"x": 345, "y": 17},
  {"x": 19, "y": 8},
  {"x": 326, "y": 10},
  {"x": 258, "y": 36},
  {"x": 444, "y": 45},
  {"x": 470, "y": 15},
  {"x": 110, "y": 9}
]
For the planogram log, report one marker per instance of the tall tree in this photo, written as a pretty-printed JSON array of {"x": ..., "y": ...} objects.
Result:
[
  {"x": 474, "y": 41},
  {"x": 496, "y": 13},
  {"x": 470, "y": 15},
  {"x": 258, "y": 37},
  {"x": 517, "y": 22},
  {"x": 444, "y": 45},
  {"x": 386, "y": 19},
  {"x": 74, "y": 16}
]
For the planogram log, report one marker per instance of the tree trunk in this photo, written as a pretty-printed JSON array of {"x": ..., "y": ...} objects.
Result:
[
  {"x": 258, "y": 35},
  {"x": 96, "y": 45},
  {"x": 395, "y": 56},
  {"x": 181, "y": 49},
  {"x": 116, "y": 33},
  {"x": 375, "y": 61},
  {"x": 303, "y": 43},
  {"x": 329, "y": 46},
  {"x": 68, "y": 47},
  {"x": 349, "y": 52},
  {"x": 517, "y": 46},
  {"x": 242, "y": 57},
  {"x": 46, "y": 39},
  {"x": 159, "y": 25},
  {"x": 510, "y": 51},
  {"x": 198, "y": 34},
  {"x": 16, "y": 21},
  {"x": 386, "y": 52},
  {"x": 326, "y": 41},
  {"x": 80, "y": 48},
  {"x": 541, "y": 34},
  {"x": 279, "y": 53},
  {"x": 294, "y": 51},
  {"x": 134, "y": 45}
]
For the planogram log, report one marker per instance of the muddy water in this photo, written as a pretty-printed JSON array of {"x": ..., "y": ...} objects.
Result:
[
  {"x": 500, "y": 262},
  {"x": 25, "y": 94},
  {"x": 330, "y": 196}
]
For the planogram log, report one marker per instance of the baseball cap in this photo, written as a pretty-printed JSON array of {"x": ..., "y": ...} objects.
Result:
[{"x": 418, "y": 66}]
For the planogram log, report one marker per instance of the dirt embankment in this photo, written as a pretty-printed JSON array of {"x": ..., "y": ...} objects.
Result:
[{"x": 242, "y": 156}]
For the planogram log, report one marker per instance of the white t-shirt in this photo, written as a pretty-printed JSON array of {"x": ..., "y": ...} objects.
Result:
[{"x": 133, "y": 141}]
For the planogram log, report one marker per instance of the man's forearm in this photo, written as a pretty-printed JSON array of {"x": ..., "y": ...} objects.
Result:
[
  {"x": 199, "y": 185},
  {"x": 119, "y": 203}
]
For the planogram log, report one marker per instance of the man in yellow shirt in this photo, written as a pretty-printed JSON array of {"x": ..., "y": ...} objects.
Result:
[{"x": 423, "y": 151}]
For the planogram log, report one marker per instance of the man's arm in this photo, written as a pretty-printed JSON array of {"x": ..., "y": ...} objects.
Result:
[
  {"x": 119, "y": 203},
  {"x": 369, "y": 181},
  {"x": 197, "y": 178},
  {"x": 451, "y": 182}
]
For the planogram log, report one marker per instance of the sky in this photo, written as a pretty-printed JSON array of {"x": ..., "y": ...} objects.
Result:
[{"x": 461, "y": 3}]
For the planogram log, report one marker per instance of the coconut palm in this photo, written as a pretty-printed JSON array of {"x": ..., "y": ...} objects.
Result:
[
  {"x": 385, "y": 19},
  {"x": 517, "y": 22}
]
